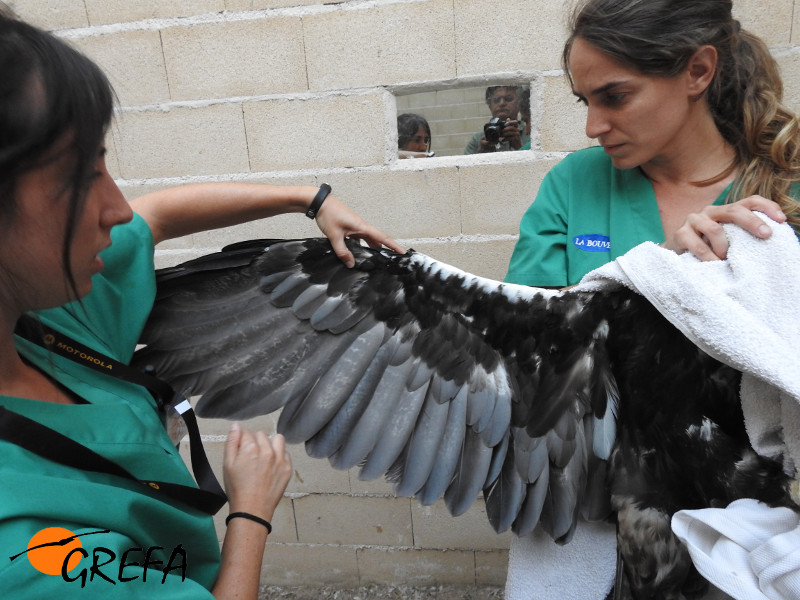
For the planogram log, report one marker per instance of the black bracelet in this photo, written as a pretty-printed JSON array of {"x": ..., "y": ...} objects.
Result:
[
  {"x": 245, "y": 515},
  {"x": 316, "y": 203}
]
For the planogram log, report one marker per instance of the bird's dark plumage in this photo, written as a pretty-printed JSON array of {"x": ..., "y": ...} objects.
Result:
[{"x": 553, "y": 404}]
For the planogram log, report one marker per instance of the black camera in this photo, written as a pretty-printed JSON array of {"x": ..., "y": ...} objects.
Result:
[{"x": 493, "y": 130}]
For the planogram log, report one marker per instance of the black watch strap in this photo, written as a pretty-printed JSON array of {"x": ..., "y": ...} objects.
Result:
[{"x": 316, "y": 203}]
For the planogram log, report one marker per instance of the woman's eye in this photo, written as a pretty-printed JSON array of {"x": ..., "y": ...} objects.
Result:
[{"x": 612, "y": 99}]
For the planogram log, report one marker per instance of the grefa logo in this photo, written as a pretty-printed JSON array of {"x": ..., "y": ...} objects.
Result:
[{"x": 58, "y": 551}]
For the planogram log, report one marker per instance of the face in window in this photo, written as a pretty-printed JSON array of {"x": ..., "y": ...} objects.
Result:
[
  {"x": 420, "y": 142},
  {"x": 504, "y": 103}
]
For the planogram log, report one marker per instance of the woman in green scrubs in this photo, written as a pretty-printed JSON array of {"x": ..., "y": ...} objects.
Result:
[
  {"x": 686, "y": 109},
  {"x": 79, "y": 258}
]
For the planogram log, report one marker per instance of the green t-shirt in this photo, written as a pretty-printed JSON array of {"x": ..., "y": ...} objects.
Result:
[
  {"x": 120, "y": 422},
  {"x": 587, "y": 213}
]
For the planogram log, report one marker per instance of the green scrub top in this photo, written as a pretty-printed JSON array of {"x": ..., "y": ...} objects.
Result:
[
  {"x": 587, "y": 213},
  {"x": 120, "y": 422}
]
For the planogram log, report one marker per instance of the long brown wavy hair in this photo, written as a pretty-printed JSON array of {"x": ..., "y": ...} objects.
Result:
[{"x": 658, "y": 37}]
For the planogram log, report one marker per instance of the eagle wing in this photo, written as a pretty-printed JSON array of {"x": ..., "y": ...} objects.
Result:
[{"x": 446, "y": 383}]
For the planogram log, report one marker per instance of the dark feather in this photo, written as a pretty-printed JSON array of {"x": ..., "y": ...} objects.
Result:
[{"x": 551, "y": 404}]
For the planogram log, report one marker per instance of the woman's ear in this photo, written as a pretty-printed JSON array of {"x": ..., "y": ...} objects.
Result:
[{"x": 700, "y": 70}]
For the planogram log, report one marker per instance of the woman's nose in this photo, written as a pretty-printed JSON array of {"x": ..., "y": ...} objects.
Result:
[{"x": 596, "y": 123}]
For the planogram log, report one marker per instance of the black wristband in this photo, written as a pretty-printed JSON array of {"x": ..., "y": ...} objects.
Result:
[
  {"x": 323, "y": 192},
  {"x": 250, "y": 517}
]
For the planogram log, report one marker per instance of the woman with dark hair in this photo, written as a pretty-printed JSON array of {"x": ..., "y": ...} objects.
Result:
[
  {"x": 686, "y": 108},
  {"x": 413, "y": 136},
  {"x": 77, "y": 443}
]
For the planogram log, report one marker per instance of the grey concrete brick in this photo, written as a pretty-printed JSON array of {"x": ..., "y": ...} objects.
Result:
[
  {"x": 416, "y": 566},
  {"x": 435, "y": 527},
  {"x": 563, "y": 119},
  {"x": 334, "y": 519},
  {"x": 526, "y": 36},
  {"x": 314, "y": 475},
  {"x": 133, "y": 62},
  {"x": 51, "y": 14},
  {"x": 771, "y": 21},
  {"x": 390, "y": 43},
  {"x": 405, "y": 203},
  {"x": 495, "y": 197},
  {"x": 309, "y": 564},
  {"x": 240, "y": 58},
  {"x": 235, "y": 5},
  {"x": 491, "y": 568},
  {"x": 102, "y": 12},
  {"x": 182, "y": 141},
  {"x": 344, "y": 132},
  {"x": 483, "y": 258}
]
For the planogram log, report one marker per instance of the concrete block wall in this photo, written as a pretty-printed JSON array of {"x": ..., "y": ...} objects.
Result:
[{"x": 301, "y": 92}]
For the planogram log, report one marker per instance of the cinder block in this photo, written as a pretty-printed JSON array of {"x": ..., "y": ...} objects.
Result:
[
  {"x": 419, "y": 200},
  {"x": 334, "y": 519},
  {"x": 493, "y": 198},
  {"x": 491, "y": 568},
  {"x": 416, "y": 567},
  {"x": 374, "y": 487},
  {"x": 51, "y": 14},
  {"x": 315, "y": 476},
  {"x": 384, "y": 44},
  {"x": 772, "y": 21},
  {"x": 563, "y": 120},
  {"x": 181, "y": 141},
  {"x": 133, "y": 62},
  {"x": 483, "y": 258},
  {"x": 309, "y": 564},
  {"x": 528, "y": 36},
  {"x": 262, "y": 4},
  {"x": 342, "y": 131},
  {"x": 103, "y": 12},
  {"x": 238, "y": 58},
  {"x": 435, "y": 527},
  {"x": 790, "y": 70}
]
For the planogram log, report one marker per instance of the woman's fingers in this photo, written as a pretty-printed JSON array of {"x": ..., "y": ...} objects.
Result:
[{"x": 702, "y": 233}]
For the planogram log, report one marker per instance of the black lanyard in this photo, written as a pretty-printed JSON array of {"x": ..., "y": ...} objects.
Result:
[{"x": 210, "y": 496}]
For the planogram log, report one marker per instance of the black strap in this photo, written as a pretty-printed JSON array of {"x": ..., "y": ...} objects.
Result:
[
  {"x": 316, "y": 203},
  {"x": 211, "y": 495},
  {"x": 54, "y": 446}
]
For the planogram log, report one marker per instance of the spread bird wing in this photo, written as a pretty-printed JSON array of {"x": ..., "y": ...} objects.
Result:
[{"x": 446, "y": 383}]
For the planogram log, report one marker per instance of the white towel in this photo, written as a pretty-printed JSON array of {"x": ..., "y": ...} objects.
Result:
[
  {"x": 749, "y": 550},
  {"x": 742, "y": 311}
]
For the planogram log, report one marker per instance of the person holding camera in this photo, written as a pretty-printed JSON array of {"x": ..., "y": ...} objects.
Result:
[{"x": 504, "y": 131}]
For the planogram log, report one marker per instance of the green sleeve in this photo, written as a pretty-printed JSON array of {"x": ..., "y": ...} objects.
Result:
[{"x": 474, "y": 143}]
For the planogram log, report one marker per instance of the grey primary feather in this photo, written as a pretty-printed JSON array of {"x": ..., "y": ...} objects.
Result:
[{"x": 551, "y": 404}]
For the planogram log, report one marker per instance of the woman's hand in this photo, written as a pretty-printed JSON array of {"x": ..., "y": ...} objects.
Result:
[
  {"x": 338, "y": 222},
  {"x": 256, "y": 471},
  {"x": 702, "y": 233}
]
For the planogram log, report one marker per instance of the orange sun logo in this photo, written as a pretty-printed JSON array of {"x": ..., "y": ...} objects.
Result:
[{"x": 49, "y": 547}]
